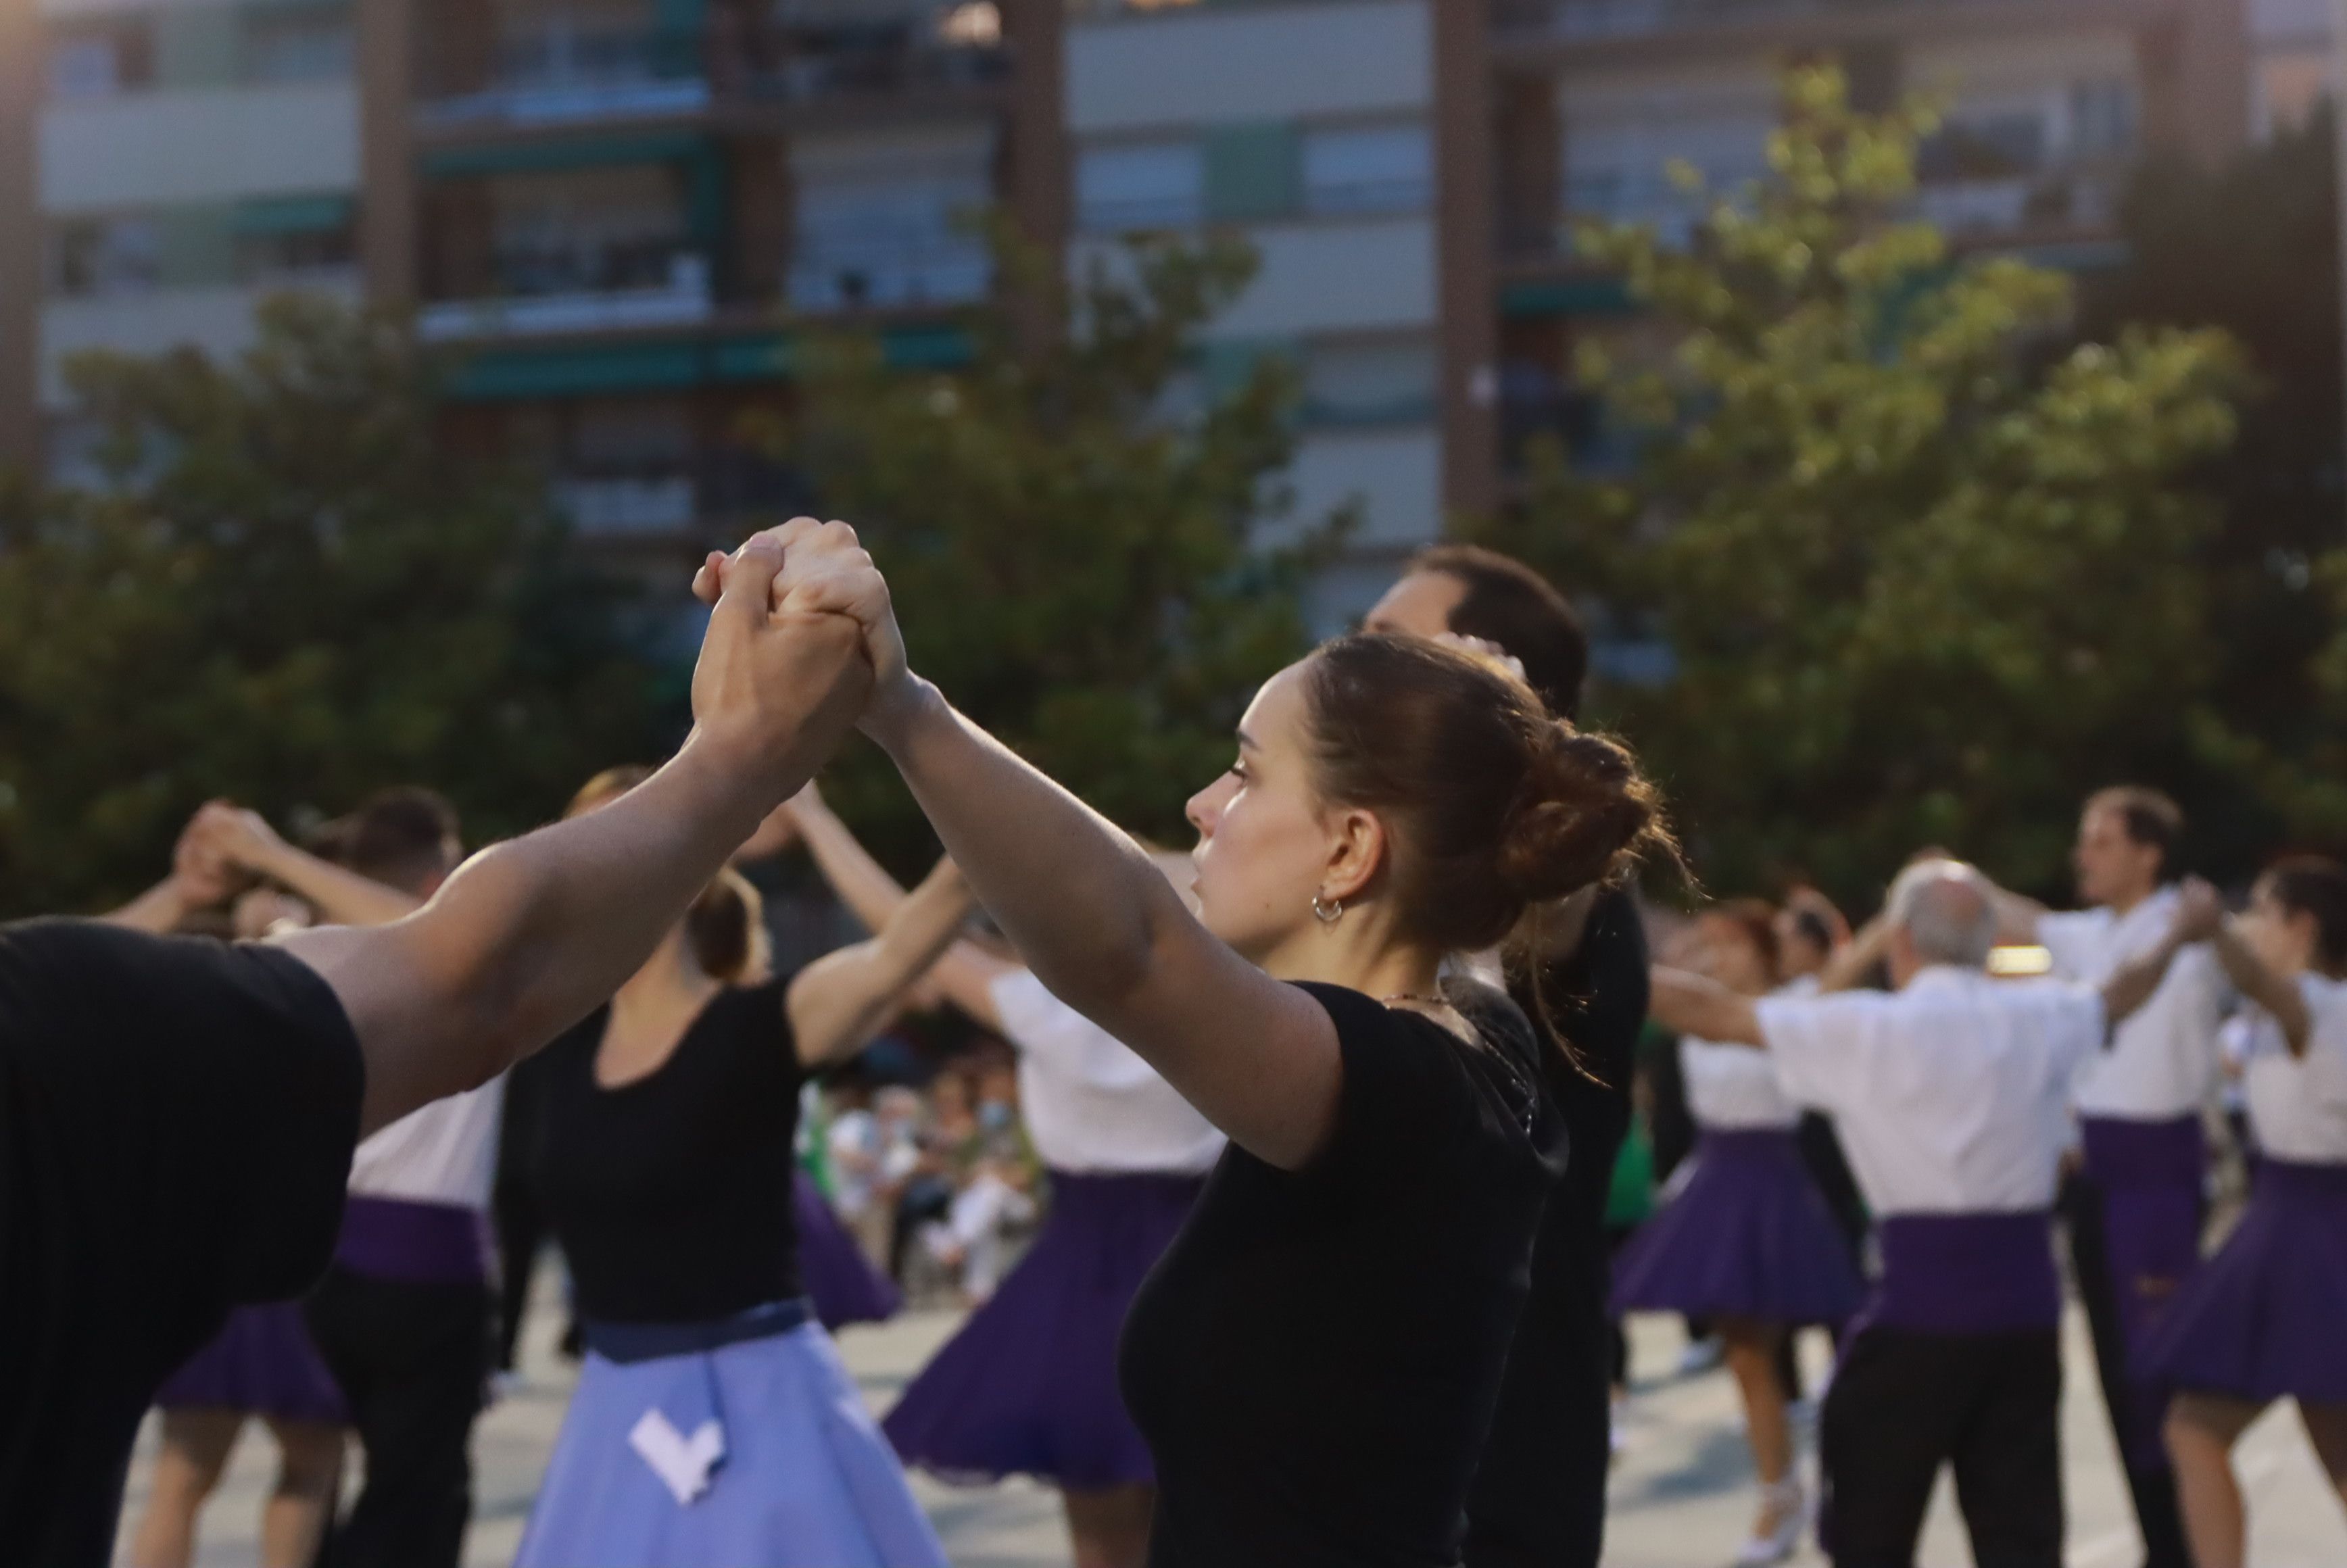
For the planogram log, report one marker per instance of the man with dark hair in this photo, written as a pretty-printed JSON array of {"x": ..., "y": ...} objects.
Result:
[
  {"x": 1471, "y": 591},
  {"x": 178, "y": 1115},
  {"x": 2132, "y": 1202},
  {"x": 1538, "y": 1497},
  {"x": 403, "y": 1316}
]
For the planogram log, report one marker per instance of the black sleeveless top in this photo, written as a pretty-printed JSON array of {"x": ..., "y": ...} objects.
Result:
[
  {"x": 1315, "y": 1360},
  {"x": 671, "y": 1195}
]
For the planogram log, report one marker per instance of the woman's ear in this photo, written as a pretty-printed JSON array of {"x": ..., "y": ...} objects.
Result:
[{"x": 1357, "y": 854}]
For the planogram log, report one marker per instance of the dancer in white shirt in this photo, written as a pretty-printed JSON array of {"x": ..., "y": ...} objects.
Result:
[
  {"x": 2266, "y": 1318},
  {"x": 1952, "y": 1095},
  {"x": 1029, "y": 1386},
  {"x": 2134, "y": 1205}
]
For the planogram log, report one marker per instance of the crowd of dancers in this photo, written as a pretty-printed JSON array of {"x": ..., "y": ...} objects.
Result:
[{"x": 1337, "y": 1128}]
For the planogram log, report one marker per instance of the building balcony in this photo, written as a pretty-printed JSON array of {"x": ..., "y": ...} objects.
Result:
[
  {"x": 1547, "y": 25},
  {"x": 565, "y": 75},
  {"x": 561, "y": 297}
]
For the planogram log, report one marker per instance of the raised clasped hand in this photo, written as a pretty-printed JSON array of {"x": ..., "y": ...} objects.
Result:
[
  {"x": 771, "y": 661},
  {"x": 825, "y": 570}
]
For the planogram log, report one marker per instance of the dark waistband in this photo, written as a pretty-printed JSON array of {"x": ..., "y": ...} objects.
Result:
[
  {"x": 430, "y": 1244},
  {"x": 626, "y": 1342},
  {"x": 2301, "y": 1178},
  {"x": 1967, "y": 1273},
  {"x": 1761, "y": 1141},
  {"x": 2123, "y": 1152}
]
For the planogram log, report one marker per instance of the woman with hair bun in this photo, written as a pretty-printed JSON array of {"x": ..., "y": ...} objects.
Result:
[
  {"x": 1315, "y": 1360},
  {"x": 2262, "y": 1319},
  {"x": 1748, "y": 1242},
  {"x": 713, "y": 1424}
]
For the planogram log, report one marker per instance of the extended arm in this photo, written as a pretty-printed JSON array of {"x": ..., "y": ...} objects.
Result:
[
  {"x": 1852, "y": 961},
  {"x": 340, "y": 897},
  {"x": 199, "y": 879},
  {"x": 2268, "y": 989},
  {"x": 530, "y": 935},
  {"x": 966, "y": 972},
  {"x": 1097, "y": 922},
  {"x": 1698, "y": 1005},
  {"x": 838, "y": 1002}
]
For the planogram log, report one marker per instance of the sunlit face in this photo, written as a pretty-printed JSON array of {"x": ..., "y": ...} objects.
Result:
[
  {"x": 2283, "y": 939},
  {"x": 1419, "y": 605},
  {"x": 1730, "y": 956},
  {"x": 2112, "y": 868},
  {"x": 1263, "y": 844}
]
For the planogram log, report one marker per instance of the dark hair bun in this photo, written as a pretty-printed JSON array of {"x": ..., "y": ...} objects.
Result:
[{"x": 1583, "y": 813}]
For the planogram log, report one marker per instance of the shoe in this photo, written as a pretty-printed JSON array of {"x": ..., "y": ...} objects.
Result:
[
  {"x": 1789, "y": 1504},
  {"x": 1701, "y": 1355}
]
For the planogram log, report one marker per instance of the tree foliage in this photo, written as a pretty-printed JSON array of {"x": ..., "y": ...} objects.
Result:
[
  {"x": 1923, "y": 575},
  {"x": 2253, "y": 247},
  {"x": 1073, "y": 524},
  {"x": 291, "y": 594}
]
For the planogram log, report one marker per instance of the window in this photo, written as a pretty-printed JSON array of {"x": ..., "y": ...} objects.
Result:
[
  {"x": 1252, "y": 172},
  {"x": 1985, "y": 147},
  {"x": 292, "y": 238},
  {"x": 98, "y": 61},
  {"x": 1158, "y": 185},
  {"x": 882, "y": 220},
  {"x": 305, "y": 45},
  {"x": 1371, "y": 381},
  {"x": 2102, "y": 119},
  {"x": 106, "y": 255},
  {"x": 1383, "y": 169},
  {"x": 590, "y": 231}
]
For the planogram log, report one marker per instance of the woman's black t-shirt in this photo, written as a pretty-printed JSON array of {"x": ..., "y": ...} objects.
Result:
[
  {"x": 671, "y": 1194},
  {"x": 1315, "y": 1359}
]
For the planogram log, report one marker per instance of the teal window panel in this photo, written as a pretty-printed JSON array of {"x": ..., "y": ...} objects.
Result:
[
  {"x": 1567, "y": 297},
  {"x": 765, "y": 358},
  {"x": 945, "y": 347},
  {"x": 1225, "y": 366},
  {"x": 196, "y": 246},
  {"x": 547, "y": 157},
  {"x": 1253, "y": 171},
  {"x": 295, "y": 215},
  {"x": 501, "y": 374},
  {"x": 197, "y": 45}
]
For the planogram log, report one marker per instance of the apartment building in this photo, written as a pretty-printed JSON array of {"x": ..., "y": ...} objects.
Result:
[{"x": 618, "y": 209}]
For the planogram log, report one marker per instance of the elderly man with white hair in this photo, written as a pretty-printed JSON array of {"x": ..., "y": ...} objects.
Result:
[{"x": 1951, "y": 1092}]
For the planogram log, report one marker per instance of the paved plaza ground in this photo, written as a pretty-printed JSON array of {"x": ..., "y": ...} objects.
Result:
[{"x": 1681, "y": 1492}]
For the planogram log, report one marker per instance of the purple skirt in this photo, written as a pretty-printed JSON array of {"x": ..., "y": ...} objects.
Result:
[
  {"x": 261, "y": 1363},
  {"x": 1027, "y": 1387},
  {"x": 2267, "y": 1316},
  {"x": 833, "y": 1270},
  {"x": 1748, "y": 1236}
]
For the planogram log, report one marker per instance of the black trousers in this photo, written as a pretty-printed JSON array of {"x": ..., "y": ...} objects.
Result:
[
  {"x": 2152, "y": 1489},
  {"x": 1902, "y": 1404},
  {"x": 413, "y": 1361}
]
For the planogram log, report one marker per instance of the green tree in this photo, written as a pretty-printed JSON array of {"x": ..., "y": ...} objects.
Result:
[
  {"x": 1074, "y": 523},
  {"x": 1924, "y": 577},
  {"x": 2253, "y": 247},
  {"x": 291, "y": 593}
]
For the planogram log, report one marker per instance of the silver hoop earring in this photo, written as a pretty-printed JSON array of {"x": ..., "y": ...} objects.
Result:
[{"x": 1327, "y": 911}]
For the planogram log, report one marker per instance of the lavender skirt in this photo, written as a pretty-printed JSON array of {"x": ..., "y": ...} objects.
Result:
[
  {"x": 1748, "y": 1236},
  {"x": 1027, "y": 1387},
  {"x": 754, "y": 1453},
  {"x": 2267, "y": 1316},
  {"x": 836, "y": 1275},
  {"x": 262, "y": 1363}
]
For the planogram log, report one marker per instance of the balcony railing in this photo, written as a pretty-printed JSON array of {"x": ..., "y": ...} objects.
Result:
[
  {"x": 1593, "y": 20},
  {"x": 716, "y": 488},
  {"x": 565, "y": 74},
  {"x": 827, "y": 278},
  {"x": 682, "y": 298}
]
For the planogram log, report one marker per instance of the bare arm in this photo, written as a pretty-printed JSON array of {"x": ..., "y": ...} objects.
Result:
[
  {"x": 530, "y": 935},
  {"x": 1698, "y": 1005},
  {"x": 841, "y": 1001},
  {"x": 966, "y": 972},
  {"x": 2017, "y": 915},
  {"x": 2268, "y": 989},
  {"x": 1851, "y": 962},
  {"x": 340, "y": 897},
  {"x": 159, "y": 910},
  {"x": 1084, "y": 907}
]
